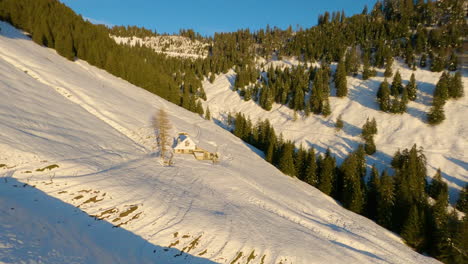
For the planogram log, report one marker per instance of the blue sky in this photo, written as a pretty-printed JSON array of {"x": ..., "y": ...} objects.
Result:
[{"x": 209, "y": 16}]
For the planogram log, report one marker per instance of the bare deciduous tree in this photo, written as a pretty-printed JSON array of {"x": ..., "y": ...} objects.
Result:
[{"x": 162, "y": 127}]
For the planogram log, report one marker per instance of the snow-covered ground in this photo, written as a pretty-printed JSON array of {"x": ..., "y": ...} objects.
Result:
[
  {"x": 445, "y": 145},
  {"x": 176, "y": 46},
  {"x": 75, "y": 138}
]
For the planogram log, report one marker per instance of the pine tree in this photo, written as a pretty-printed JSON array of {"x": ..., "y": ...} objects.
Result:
[
  {"x": 413, "y": 229},
  {"x": 423, "y": 61},
  {"x": 339, "y": 123},
  {"x": 437, "y": 185},
  {"x": 311, "y": 169},
  {"x": 386, "y": 201},
  {"x": 352, "y": 195},
  {"x": 411, "y": 88},
  {"x": 199, "y": 108},
  {"x": 441, "y": 91},
  {"x": 373, "y": 186},
  {"x": 383, "y": 96},
  {"x": 369, "y": 146},
  {"x": 326, "y": 111},
  {"x": 455, "y": 89},
  {"x": 462, "y": 203},
  {"x": 366, "y": 71},
  {"x": 396, "y": 84},
  {"x": 207, "y": 113},
  {"x": 286, "y": 162},
  {"x": 340, "y": 80},
  {"x": 327, "y": 173},
  {"x": 388, "y": 66},
  {"x": 436, "y": 114}
]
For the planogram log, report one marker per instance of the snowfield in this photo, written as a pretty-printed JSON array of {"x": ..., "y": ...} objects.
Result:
[
  {"x": 445, "y": 145},
  {"x": 75, "y": 138}
]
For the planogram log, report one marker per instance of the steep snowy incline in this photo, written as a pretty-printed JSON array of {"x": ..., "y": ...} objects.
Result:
[
  {"x": 82, "y": 138},
  {"x": 444, "y": 145}
]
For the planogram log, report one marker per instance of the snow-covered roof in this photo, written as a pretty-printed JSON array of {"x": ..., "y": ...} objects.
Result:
[{"x": 185, "y": 142}]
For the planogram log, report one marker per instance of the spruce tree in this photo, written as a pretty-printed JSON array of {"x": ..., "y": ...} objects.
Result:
[
  {"x": 386, "y": 201},
  {"x": 413, "y": 229},
  {"x": 437, "y": 185},
  {"x": 339, "y": 123},
  {"x": 369, "y": 146},
  {"x": 388, "y": 66},
  {"x": 383, "y": 96},
  {"x": 396, "y": 84},
  {"x": 436, "y": 114},
  {"x": 373, "y": 186},
  {"x": 327, "y": 173},
  {"x": 423, "y": 61},
  {"x": 411, "y": 88},
  {"x": 456, "y": 86},
  {"x": 311, "y": 169},
  {"x": 286, "y": 161},
  {"x": 462, "y": 203},
  {"x": 441, "y": 91},
  {"x": 207, "y": 113},
  {"x": 340, "y": 80},
  {"x": 366, "y": 71}
]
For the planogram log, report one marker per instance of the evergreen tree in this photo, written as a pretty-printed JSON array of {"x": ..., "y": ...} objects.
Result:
[
  {"x": 437, "y": 185},
  {"x": 366, "y": 71},
  {"x": 352, "y": 195},
  {"x": 436, "y": 114},
  {"x": 286, "y": 162},
  {"x": 396, "y": 84},
  {"x": 327, "y": 173},
  {"x": 207, "y": 113},
  {"x": 388, "y": 66},
  {"x": 351, "y": 62},
  {"x": 311, "y": 169},
  {"x": 455, "y": 89},
  {"x": 339, "y": 123},
  {"x": 413, "y": 229},
  {"x": 462, "y": 203},
  {"x": 441, "y": 91},
  {"x": 386, "y": 201},
  {"x": 369, "y": 146},
  {"x": 383, "y": 96},
  {"x": 423, "y": 61},
  {"x": 199, "y": 108},
  {"x": 373, "y": 186},
  {"x": 340, "y": 80},
  {"x": 411, "y": 88},
  {"x": 326, "y": 111}
]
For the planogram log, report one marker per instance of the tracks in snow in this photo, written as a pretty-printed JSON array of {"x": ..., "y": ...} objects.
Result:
[{"x": 82, "y": 100}]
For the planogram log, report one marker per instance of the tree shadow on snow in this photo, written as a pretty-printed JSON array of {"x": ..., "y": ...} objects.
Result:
[{"x": 36, "y": 226}]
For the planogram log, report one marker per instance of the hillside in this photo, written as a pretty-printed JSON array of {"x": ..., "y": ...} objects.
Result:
[
  {"x": 76, "y": 138},
  {"x": 444, "y": 145},
  {"x": 176, "y": 46}
]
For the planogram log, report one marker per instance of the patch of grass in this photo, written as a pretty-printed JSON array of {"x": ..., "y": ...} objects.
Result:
[
  {"x": 2, "y": 165},
  {"x": 136, "y": 216},
  {"x": 237, "y": 258},
  {"x": 262, "y": 261},
  {"x": 251, "y": 256},
  {"x": 62, "y": 192},
  {"x": 92, "y": 200},
  {"x": 176, "y": 234},
  {"x": 107, "y": 213},
  {"x": 126, "y": 213},
  {"x": 78, "y": 197},
  {"x": 50, "y": 167},
  {"x": 185, "y": 236},
  {"x": 174, "y": 244},
  {"x": 194, "y": 243},
  {"x": 28, "y": 171},
  {"x": 84, "y": 191},
  {"x": 203, "y": 252}
]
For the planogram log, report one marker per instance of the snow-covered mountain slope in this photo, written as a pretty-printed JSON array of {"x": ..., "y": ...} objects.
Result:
[
  {"x": 78, "y": 136},
  {"x": 445, "y": 145},
  {"x": 176, "y": 46}
]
